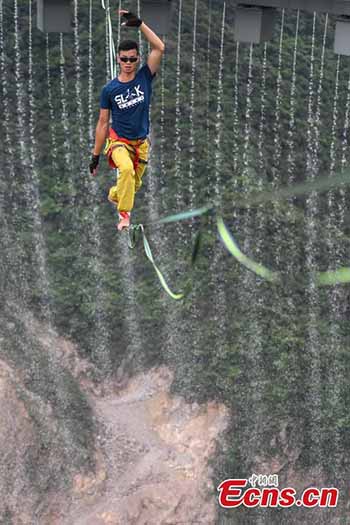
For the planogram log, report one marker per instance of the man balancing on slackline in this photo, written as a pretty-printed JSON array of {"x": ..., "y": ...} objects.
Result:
[{"x": 128, "y": 98}]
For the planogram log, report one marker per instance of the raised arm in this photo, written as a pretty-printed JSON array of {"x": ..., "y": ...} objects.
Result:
[
  {"x": 157, "y": 45},
  {"x": 157, "y": 48}
]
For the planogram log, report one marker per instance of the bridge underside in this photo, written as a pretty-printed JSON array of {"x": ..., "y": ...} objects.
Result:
[
  {"x": 254, "y": 20},
  {"x": 333, "y": 7}
]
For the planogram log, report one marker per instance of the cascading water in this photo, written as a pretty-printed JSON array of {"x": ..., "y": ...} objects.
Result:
[
  {"x": 53, "y": 131},
  {"x": 64, "y": 119},
  {"x": 333, "y": 152},
  {"x": 246, "y": 157},
  {"x": 177, "y": 145},
  {"x": 215, "y": 182},
  {"x": 192, "y": 99},
  {"x": 219, "y": 115},
  {"x": 337, "y": 299},
  {"x": 236, "y": 129},
  {"x": 208, "y": 87},
  {"x": 101, "y": 338},
  {"x": 16, "y": 268},
  {"x": 312, "y": 341},
  {"x": 292, "y": 104},
  {"x": 277, "y": 123},
  {"x": 175, "y": 338},
  {"x": 90, "y": 81},
  {"x": 27, "y": 163},
  {"x": 262, "y": 123},
  {"x": 39, "y": 241},
  {"x": 345, "y": 135}
]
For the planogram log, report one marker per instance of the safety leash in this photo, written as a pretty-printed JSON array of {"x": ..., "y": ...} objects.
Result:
[{"x": 112, "y": 54}]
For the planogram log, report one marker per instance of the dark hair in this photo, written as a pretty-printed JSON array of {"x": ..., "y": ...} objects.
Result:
[{"x": 127, "y": 45}]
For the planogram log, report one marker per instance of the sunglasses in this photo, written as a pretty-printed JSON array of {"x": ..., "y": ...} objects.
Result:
[{"x": 129, "y": 59}]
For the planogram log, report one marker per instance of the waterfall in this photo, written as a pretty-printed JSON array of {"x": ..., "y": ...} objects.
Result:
[
  {"x": 192, "y": 99},
  {"x": 53, "y": 131},
  {"x": 235, "y": 146},
  {"x": 291, "y": 126},
  {"x": 277, "y": 123},
  {"x": 262, "y": 123},
  {"x": 248, "y": 121},
  {"x": 312, "y": 341}
]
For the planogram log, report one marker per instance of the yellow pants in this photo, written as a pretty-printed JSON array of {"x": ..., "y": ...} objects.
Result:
[{"x": 129, "y": 181}]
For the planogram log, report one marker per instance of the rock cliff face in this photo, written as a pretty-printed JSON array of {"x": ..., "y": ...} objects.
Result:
[{"x": 76, "y": 450}]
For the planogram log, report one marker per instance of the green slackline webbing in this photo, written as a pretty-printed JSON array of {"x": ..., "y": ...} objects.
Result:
[
  {"x": 161, "y": 278},
  {"x": 254, "y": 199},
  {"x": 234, "y": 250},
  {"x": 185, "y": 215},
  {"x": 329, "y": 278}
]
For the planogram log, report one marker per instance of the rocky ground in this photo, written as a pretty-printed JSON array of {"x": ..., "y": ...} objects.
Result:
[
  {"x": 151, "y": 450},
  {"x": 154, "y": 467}
]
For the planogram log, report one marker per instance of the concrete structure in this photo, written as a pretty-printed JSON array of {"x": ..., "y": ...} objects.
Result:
[
  {"x": 254, "y": 19},
  {"x": 54, "y": 16},
  {"x": 157, "y": 14}
]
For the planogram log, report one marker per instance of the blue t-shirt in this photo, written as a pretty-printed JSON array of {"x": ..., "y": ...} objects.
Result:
[{"x": 129, "y": 103}]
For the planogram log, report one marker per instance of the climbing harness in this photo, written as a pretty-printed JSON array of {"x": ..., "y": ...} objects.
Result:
[{"x": 114, "y": 141}]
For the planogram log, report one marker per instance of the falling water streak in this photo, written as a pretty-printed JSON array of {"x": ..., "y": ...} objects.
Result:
[
  {"x": 27, "y": 164},
  {"x": 217, "y": 283},
  {"x": 119, "y": 22},
  {"x": 291, "y": 128},
  {"x": 192, "y": 98},
  {"x": 333, "y": 153},
  {"x": 208, "y": 89},
  {"x": 39, "y": 241},
  {"x": 140, "y": 34},
  {"x": 277, "y": 123},
  {"x": 52, "y": 126},
  {"x": 345, "y": 143},
  {"x": 39, "y": 247},
  {"x": 15, "y": 255},
  {"x": 178, "y": 113},
  {"x": 337, "y": 296},
  {"x": 219, "y": 112},
  {"x": 107, "y": 41},
  {"x": 292, "y": 261},
  {"x": 313, "y": 402},
  {"x": 261, "y": 155},
  {"x": 19, "y": 91},
  {"x": 162, "y": 122},
  {"x": 175, "y": 338},
  {"x": 248, "y": 123},
  {"x": 235, "y": 146},
  {"x": 100, "y": 346},
  {"x": 64, "y": 111},
  {"x": 130, "y": 301},
  {"x": 90, "y": 80},
  {"x": 310, "y": 119},
  {"x": 317, "y": 123},
  {"x": 80, "y": 112}
]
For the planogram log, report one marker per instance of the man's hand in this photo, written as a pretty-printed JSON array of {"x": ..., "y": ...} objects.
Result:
[
  {"x": 93, "y": 166},
  {"x": 130, "y": 19}
]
